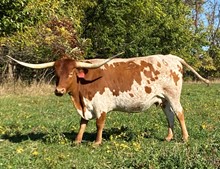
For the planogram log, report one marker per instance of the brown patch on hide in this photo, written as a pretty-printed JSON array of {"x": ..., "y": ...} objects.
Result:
[
  {"x": 148, "y": 89},
  {"x": 180, "y": 68},
  {"x": 151, "y": 73},
  {"x": 158, "y": 64},
  {"x": 131, "y": 94},
  {"x": 175, "y": 77}
]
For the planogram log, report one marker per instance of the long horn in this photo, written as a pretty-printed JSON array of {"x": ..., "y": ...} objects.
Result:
[
  {"x": 33, "y": 66},
  {"x": 95, "y": 65}
]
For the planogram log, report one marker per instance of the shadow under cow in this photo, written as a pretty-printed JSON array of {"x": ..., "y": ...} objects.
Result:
[{"x": 122, "y": 133}]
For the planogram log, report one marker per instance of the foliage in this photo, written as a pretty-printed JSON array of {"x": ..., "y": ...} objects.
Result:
[
  {"x": 140, "y": 28},
  {"x": 48, "y": 42},
  {"x": 38, "y": 31},
  {"x": 13, "y": 17},
  {"x": 214, "y": 51},
  {"x": 34, "y": 136},
  {"x": 206, "y": 17},
  {"x": 18, "y": 15},
  {"x": 213, "y": 20},
  {"x": 54, "y": 35}
]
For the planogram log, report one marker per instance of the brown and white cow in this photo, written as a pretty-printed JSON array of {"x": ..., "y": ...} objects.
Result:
[{"x": 99, "y": 86}]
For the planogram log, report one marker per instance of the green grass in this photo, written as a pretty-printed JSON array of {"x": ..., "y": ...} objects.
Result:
[{"x": 36, "y": 132}]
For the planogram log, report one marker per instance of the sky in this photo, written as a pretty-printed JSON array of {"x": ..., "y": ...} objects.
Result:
[{"x": 208, "y": 8}]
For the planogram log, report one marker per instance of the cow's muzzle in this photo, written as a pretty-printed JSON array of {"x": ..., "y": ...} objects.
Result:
[{"x": 60, "y": 91}]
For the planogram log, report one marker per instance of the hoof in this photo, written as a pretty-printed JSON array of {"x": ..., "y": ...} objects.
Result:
[
  {"x": 76, "y": 143},
  {"x": 169, "y": 138},
  {"x": 97, "y": 144},
  {"x": 186, "y": 138}
]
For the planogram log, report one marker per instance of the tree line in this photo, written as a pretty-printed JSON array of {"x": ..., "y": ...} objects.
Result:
[{"x": 43, "y": 30}]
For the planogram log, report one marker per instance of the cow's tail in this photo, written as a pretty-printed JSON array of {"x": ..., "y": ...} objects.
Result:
[{"x": 194, "y": 71}]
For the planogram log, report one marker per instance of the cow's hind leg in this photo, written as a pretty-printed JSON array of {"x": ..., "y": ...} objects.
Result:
[
  {"x": 166, "y": 107},
  {"x": 181, "y": 119},
  {"x": 175, "y": 107}
]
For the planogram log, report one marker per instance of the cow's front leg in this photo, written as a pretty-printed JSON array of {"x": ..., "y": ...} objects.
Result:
[
  {"x": 100, "y": 123},
  {"x": 82, "y": 128}
]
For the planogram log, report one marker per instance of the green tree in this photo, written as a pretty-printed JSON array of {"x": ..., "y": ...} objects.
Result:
[
  {"x": 13, "y": 17},
  {"x": 54, "y": 31},
  {"x": 213, "y": 28},
  {"x": 206, "y": 21},
  {"x": 39, "y": 31},
  {"x": 139, "y": 27}
]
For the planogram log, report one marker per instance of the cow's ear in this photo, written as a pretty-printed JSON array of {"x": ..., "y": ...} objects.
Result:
[{"x": 81, "y": 73}]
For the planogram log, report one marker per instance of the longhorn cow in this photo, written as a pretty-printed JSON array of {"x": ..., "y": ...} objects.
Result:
[{"x": 99, "y": 86}]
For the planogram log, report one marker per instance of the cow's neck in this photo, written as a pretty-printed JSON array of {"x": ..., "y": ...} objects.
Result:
[{"x": 76, "y": 97}]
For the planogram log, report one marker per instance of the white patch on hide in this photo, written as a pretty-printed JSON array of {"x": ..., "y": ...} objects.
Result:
[{"x": 87, "y": 114}]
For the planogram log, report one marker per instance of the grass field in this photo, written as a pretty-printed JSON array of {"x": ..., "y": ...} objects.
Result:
[{"x": 37, "y": 129}]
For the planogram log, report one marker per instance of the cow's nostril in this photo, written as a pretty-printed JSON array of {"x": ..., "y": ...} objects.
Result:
[{"x": 60, "y": 91}]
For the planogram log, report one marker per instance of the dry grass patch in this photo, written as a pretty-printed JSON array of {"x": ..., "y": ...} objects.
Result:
[{"x": 21, "y": 88}]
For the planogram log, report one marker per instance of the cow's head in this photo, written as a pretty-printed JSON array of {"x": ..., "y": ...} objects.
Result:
[{"x": 67, "y": 71}]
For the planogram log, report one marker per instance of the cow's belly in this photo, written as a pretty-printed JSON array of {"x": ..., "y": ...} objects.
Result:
[
  {"x": 125, "y": 101},
  {"x": 136, "y": 104}
]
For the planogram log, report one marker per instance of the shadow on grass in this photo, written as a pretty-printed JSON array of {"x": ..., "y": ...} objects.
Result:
[
  {"x": 20, "y": 138},
  {"x": 123, "y": 133}
]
